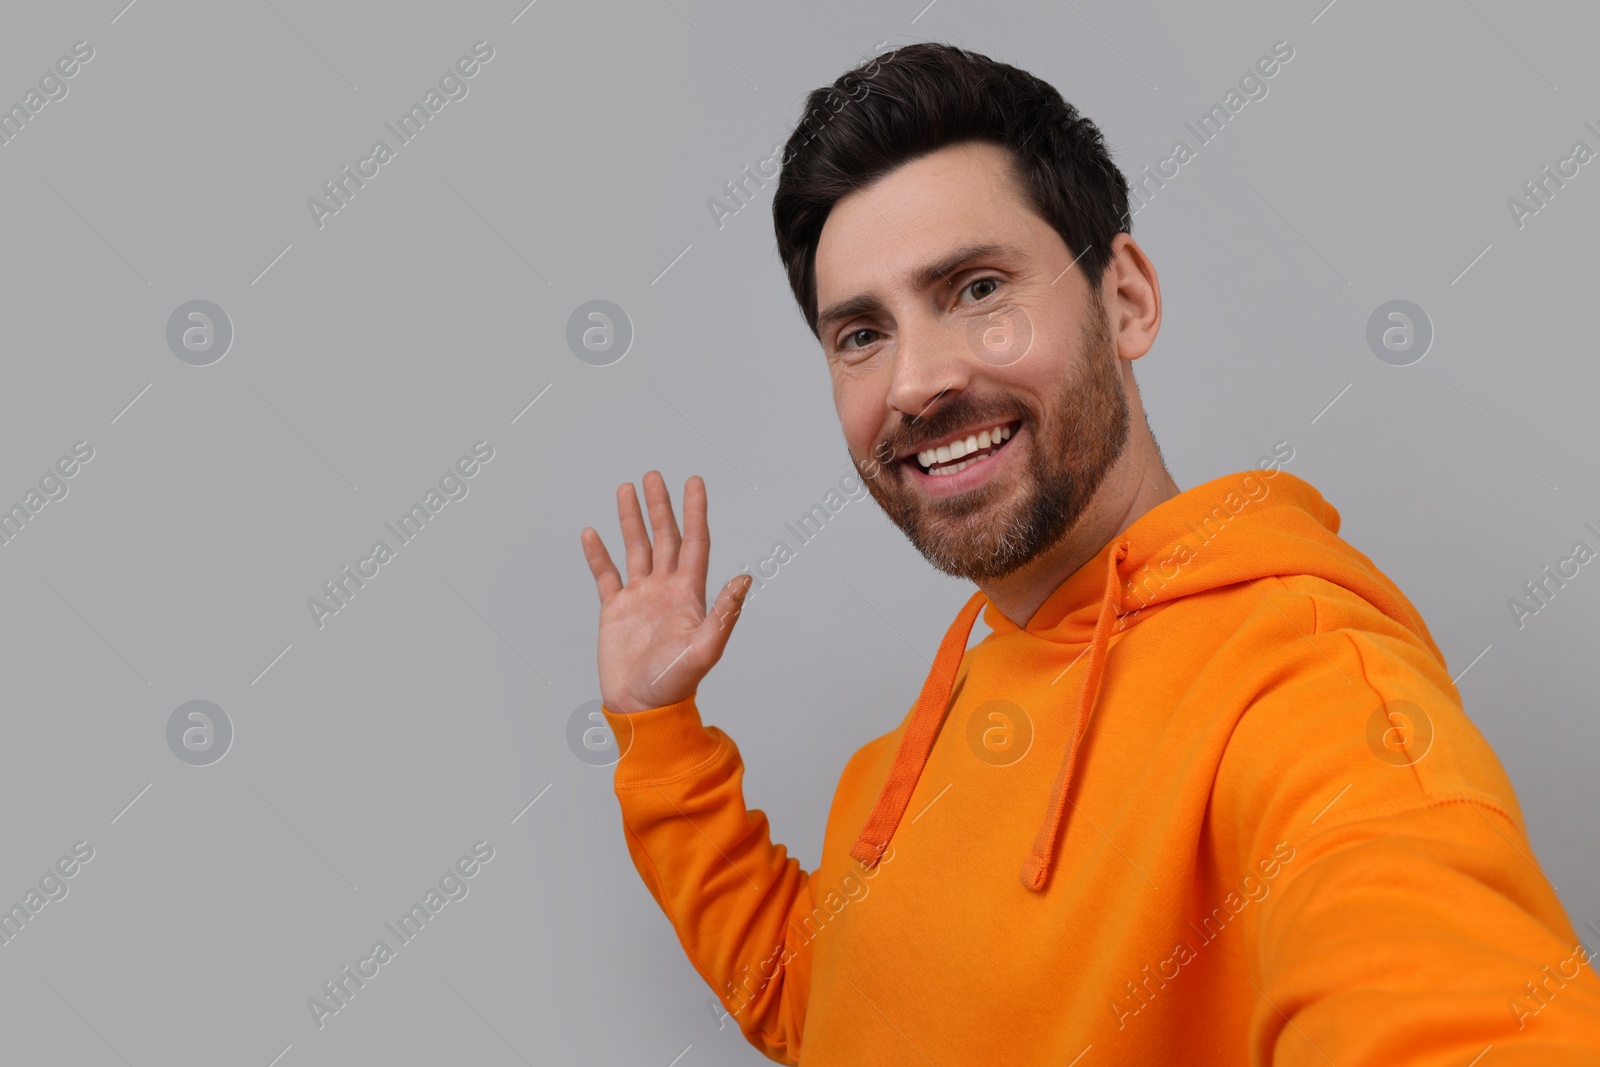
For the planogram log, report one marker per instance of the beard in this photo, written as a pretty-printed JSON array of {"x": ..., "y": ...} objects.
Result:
[{"x": 981, "y": 535}]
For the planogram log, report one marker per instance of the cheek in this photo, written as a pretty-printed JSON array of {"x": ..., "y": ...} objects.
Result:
[
  {"x": 1031, "y": 380},
  {"x": 1056, "y": 363},
  {"x": 853, "y": 400},
  {"x": 1056, "y": 349}
]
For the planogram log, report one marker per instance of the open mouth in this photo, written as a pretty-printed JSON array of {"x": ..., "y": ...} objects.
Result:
[{"x": 956, "y": 456}]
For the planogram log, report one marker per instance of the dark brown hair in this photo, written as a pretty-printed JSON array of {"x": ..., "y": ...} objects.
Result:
[{"x": 915, "y": 100}]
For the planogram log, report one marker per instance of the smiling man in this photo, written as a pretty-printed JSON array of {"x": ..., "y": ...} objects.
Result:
[{"x": 1205, "y": 794}]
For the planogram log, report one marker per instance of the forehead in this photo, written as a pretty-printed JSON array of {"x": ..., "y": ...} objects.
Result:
[{"x": 876, "y": 237}]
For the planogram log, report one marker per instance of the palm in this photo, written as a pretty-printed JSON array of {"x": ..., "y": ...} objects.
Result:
[
  {"x": 647, "y": 648},
  {"x": 657, "y": 641}
]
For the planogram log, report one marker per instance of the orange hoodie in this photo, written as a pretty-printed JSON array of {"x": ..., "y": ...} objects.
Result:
[{"x": 1217, "y": 803}]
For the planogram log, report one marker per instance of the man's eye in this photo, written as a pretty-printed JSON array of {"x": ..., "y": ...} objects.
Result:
[
  {"x": 859, "y": 338},
  {"x": 983, "y": 287}
]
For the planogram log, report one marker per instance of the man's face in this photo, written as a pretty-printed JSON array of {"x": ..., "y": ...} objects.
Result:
[{"x": 946, "y": 309}]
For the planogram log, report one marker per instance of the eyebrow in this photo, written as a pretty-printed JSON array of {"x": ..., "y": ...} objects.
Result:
[{"x": 920, "y": 278}]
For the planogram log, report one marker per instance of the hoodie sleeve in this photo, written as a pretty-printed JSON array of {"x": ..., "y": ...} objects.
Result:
[
  {"x": 1412, "y": 924},
  {"x": 711, "y": 865}
]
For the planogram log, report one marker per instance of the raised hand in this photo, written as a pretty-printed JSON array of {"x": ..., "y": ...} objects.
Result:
[{"x": 656, "y": 638}]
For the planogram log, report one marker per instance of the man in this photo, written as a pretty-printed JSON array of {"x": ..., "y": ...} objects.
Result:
[{"x": 1206, "y": 794}]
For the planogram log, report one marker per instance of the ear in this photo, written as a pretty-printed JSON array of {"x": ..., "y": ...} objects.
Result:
[{"x": 1131, "y": 292}]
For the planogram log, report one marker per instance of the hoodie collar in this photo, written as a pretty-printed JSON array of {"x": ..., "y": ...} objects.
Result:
[{"x": 1242, "y": 526}]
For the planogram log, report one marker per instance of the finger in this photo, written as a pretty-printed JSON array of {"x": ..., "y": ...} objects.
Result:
[
  {"x": 696, "y": 550},
  {"x": 663, "y": 524},
  {"x": 633, "y": 532},
  {"x": 606, "y": 579},
  {"x": 717, "y": 626}
]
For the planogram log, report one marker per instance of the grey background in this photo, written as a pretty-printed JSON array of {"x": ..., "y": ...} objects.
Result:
[{"x": 370, "y": 754}]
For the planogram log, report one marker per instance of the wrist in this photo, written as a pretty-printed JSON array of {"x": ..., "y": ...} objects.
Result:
[{"x": 660, "y": 742}]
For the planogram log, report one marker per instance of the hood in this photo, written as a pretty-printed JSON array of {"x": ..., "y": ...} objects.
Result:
[{"x": 1237, "y": 528}]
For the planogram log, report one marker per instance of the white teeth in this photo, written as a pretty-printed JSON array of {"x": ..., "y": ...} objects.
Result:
[
  {"x": 940, "y": 472},
  {"x": 957, "y": 449}
]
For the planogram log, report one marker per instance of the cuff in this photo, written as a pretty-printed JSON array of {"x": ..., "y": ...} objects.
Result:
[{"x": 660, "y": 743}]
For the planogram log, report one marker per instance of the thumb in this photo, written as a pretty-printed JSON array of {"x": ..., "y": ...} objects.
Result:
[{"x": 717, "y": 626}]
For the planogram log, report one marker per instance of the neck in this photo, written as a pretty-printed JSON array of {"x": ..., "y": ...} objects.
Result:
[{"x": 1137, "y": 482}]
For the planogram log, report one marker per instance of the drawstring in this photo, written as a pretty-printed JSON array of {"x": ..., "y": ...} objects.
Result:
[
  {"x": 934, "y": 702},
  {"x": 921, "y": 732},
  {"x": 1037, "y": 867}
]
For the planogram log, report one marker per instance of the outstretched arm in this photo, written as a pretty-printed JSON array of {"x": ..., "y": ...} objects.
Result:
[{"x": 1412, "y": 924}]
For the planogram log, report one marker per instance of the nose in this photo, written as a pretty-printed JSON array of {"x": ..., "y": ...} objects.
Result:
[{"x": 931, "y": 360}]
